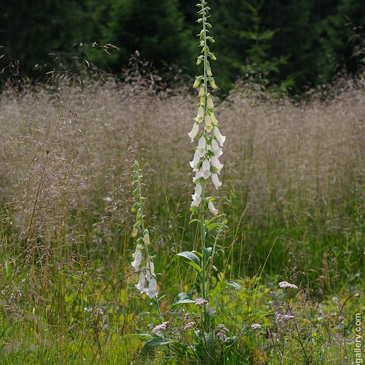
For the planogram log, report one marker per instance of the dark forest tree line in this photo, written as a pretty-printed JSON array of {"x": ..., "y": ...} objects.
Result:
[{"x": 290, "y": 43}]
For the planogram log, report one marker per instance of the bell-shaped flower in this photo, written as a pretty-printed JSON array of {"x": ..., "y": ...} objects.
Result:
[
  {"x": 193, "y": 133},
  {"x": 208, "y": 123},
  {"x": 141, "y": 282},
  {"x": 146, "y": 238},
  {"x": 197, "y": 176},
  {"x": 137, "y": 259},
  {"x": 201, "y": 149},
  {"x": 216, "y": 163},
  {"x": 196, "y": 201},
  {"x": 200, "y": 115},
  {"x": 198, "y": 190},
  {"x": 215, "y": 148},
  {"x": 214, "y": 119},
  {"x": 151, "y": 268},
  {"x": 152, "y": 288},
  {"x": 212, "y": 209},
  {"x": 201, "y": 91},
  {"x": 196, "y": 160},
  {"x": 216, "y": 181},
  {"x": 206, "y": 169},
  {"x": 210, "y": 104},
  {"x": 218, "y": 135}
]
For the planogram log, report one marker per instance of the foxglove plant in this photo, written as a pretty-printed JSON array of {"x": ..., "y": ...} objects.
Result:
[
  {"x": 205, "y": 163},
  {"x": 147, "y": 281}
]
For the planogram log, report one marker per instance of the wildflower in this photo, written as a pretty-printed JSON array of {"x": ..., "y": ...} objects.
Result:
[
  {"x": 214, "y": 119},
  {"x": 202, "y": 144},
  {"x": 197, "y": 176},
  {"x": 152, "y": 288},
  {"x": 198, "y": 190},
  {"x": 200, "y": 301},
  {"x": 216, "y": 163},
  {"x": 146, "y": 238},
  {"x": 216, "y": 181},
  {"x": 189, "y": 325},
  {"x": 196, "y": 160},
  {"x": 208, "y": 123},
  {"x": 215, "y": 148},
  {"x": 201, "y": 91},
  {"x": 223, "y": 328},
  {"x": 283, "y": 317},
  {"x": 206, "y": 169},
  {"x": 108, "y": 199},
  {"x": 255, "y": 326},
  {"x": 285, "y": 284},
  {"x": 196, "y": 83},
  {"x": 222, "y": 336},
  {"x": 209, "y": 72},
  {"x": 193, "y": 133},
  {"x": 137, "y": 259},
  {"x": 196, "y": 201},
  {"x": 161, "y": 327},
  {"x": 210, "y": 104},
  {"x": 218, "y": 135},
  {"x": 212, "y": 83},
  {"x": 200, "y": 115},
  {"x": 141, "y": 282},
  {"x": 212, "y": 209}
]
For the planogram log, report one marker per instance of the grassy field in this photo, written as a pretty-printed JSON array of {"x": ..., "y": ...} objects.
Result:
[{"x": 293, "y": 195}]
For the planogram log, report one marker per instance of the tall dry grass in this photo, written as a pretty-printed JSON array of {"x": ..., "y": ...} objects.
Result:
[{"x": 66, "y": 160}]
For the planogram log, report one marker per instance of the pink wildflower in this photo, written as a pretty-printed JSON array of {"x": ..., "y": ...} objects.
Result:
[
  {"x": 160, "y": 327},
  {"x": 189, "y": 325},
  {"x": 285, "y": 284},
  {"x": 199, "y": 302},
  {"x": 255, "y": 326}
]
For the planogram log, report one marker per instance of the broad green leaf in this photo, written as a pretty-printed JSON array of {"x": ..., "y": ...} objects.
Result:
[
  {"x": 158, "y": 341},
  {"x": 195, "y": 266},
  {"x": 190, "y": 256}
]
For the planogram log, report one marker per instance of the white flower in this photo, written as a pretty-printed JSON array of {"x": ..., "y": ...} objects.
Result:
[
  {"x": 201, "y": 146},
  {"x": 137, "y": 259},
  {"x": 198, "y": 190},
  {"x": 192, "y": 134},
  {"x": 216, "y": 163},
  {"x": 208, "y": 123},
  {"x": 196, "y": 160},
  {"x": 151, "y": 269},
  {"x": 212, "y": 209},
  {"x": 196, "y": 201},
  {"x": 198, "y": 175},
  {"x": 210, "y": 104},
  {"x": 216, "y": 149},
  {"x": 206, "y": 169},
  {"x": 152, "y": 288},
  {"x": 216, "y": 181},
  {"x": 200, "y": 115},
  {"x": 218, "y": 135},
  {"x": 214, "y": 119},
  {"x": 141, "y": 282}
]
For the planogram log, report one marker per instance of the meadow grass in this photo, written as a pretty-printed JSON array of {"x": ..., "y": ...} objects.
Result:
[{"x": 293, "y": 193}]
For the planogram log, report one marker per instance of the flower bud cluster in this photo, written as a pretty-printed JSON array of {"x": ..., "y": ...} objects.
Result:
[
  {"x": 147, "y": 281},
  {"x": 205, "y": 162}
]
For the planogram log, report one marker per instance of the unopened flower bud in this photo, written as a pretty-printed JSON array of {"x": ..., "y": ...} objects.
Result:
[
  {"x": 212, "y": 84},
  {"x": 196, "y": 83},
  {"x": 210, "y": 104},
  {"x": 146, "y": 238},
  {"x": 208, "y": 123},
  {"x": 201, "y": 91},
  {"x": 198, "y": 61},
  {"x": 209, "y": 72}
]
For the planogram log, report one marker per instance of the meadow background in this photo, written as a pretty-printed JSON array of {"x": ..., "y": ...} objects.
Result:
[{"x": 293, "y": 177}]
